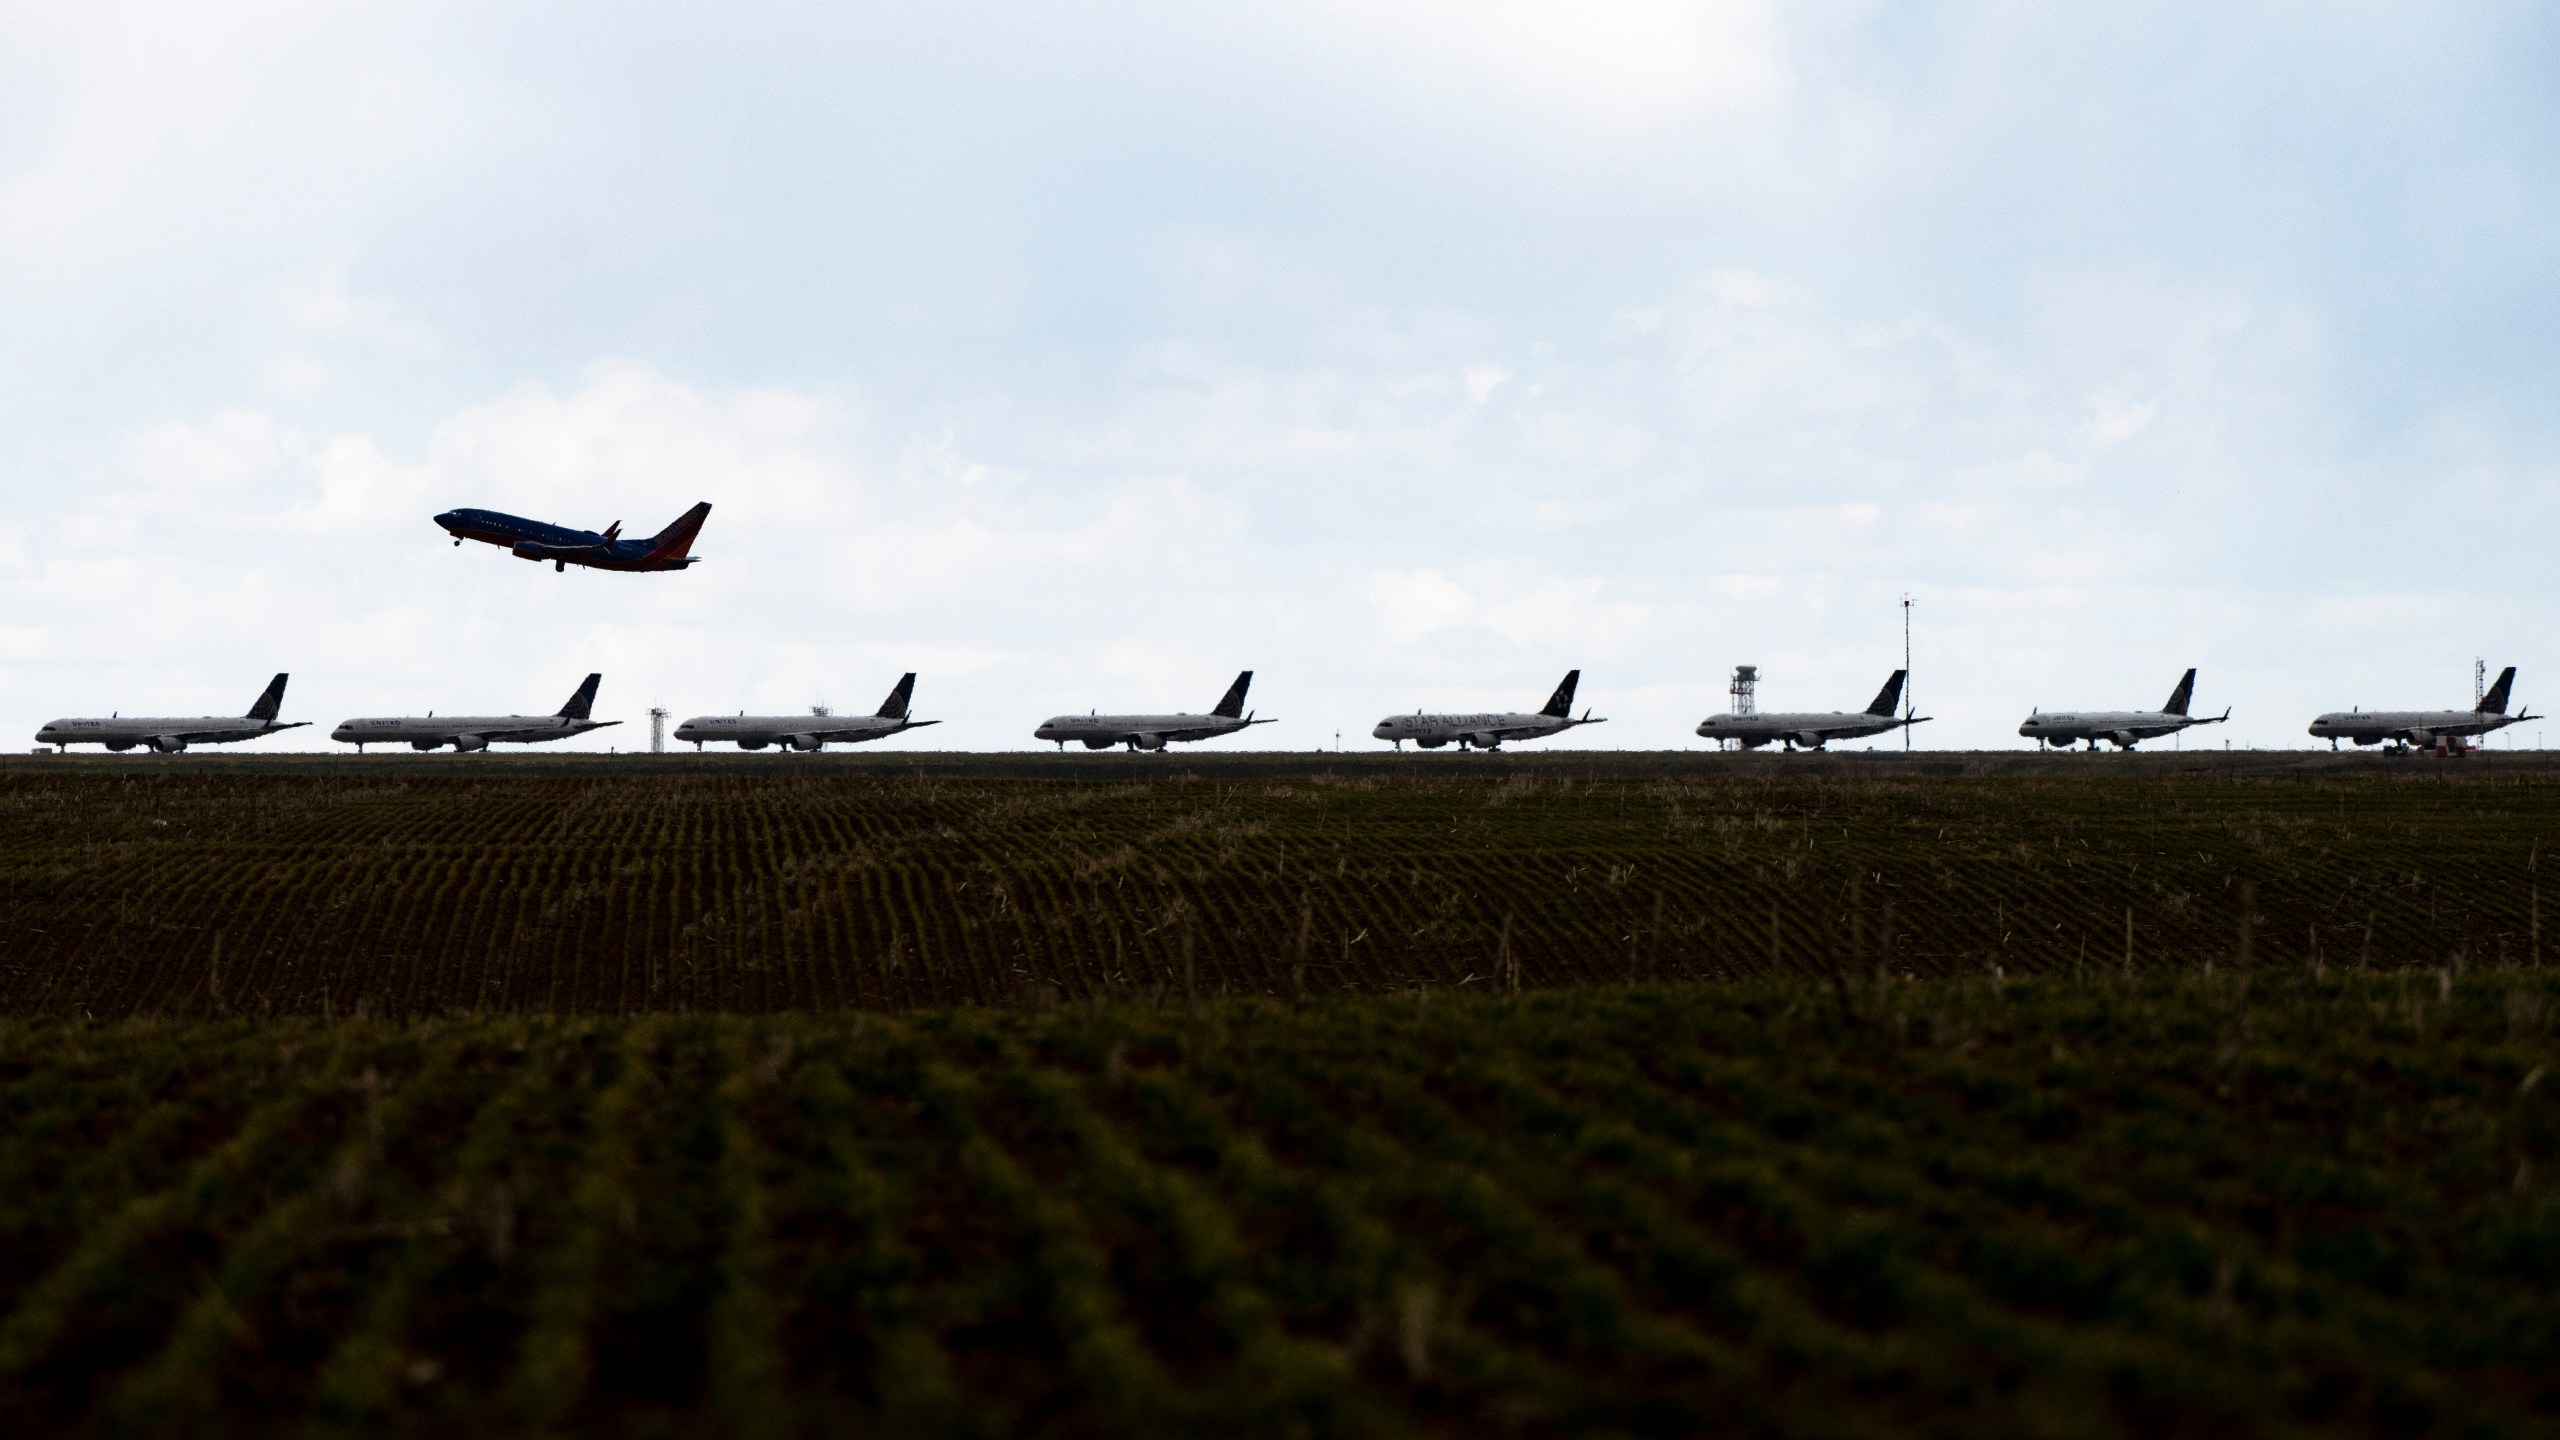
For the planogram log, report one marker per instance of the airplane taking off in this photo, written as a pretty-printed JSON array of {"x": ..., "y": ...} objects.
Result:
[
  {"x": 1813, "y": 729},
  {"x": 1487, "y": 731},
  {"x": 169, "y": 736},
  {"x": 1151, "y": 732},
  {"x": 813, "y": 731},
  {"x": 564, "y": 547},
  {"x": 2125, "y": 727},
  {"x": 2423, "y": 729},
  {"x": 477, "y": 732}
]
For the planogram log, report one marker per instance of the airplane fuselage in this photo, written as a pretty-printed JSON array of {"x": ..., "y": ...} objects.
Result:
[
  {"x": 792, "y": 732},
  {"x": 559, "y": 544},
  {"x": 1811, "y": 729},
  {"x": 2126, "y": 728},
  {"x": 1483, "y": 730},
  {"x": 165, "y": 734},
  {"x": 462, "y": 732},
  {"x": 2421, "y": 728},
  {"x": 1138, "y": 732}
]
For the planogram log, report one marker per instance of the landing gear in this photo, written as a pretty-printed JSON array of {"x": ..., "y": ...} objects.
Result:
[{"x": 562, "y": 566}]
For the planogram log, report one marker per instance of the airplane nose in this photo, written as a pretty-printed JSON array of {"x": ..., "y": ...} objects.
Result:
[{"x": 1380, "y": 734}]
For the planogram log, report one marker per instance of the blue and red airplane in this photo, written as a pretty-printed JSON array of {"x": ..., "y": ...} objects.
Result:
[{"x": 564, "y": 547}]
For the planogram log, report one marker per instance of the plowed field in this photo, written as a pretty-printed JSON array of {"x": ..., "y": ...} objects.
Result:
[
  {"x": 421, "y": 886},
  {"x": 2168, "y": 1205}
]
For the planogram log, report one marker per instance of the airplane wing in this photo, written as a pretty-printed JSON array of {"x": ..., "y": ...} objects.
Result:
[
  {"x": 536, "y": 550},
  {"x": 198, "y": 737},
  {"x": 1214, "y": 734},
  {"x": 539, "y": 727}
]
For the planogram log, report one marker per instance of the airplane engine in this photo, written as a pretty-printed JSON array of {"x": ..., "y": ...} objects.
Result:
[
  {"x": 2423, "y": 739},
  {"x": 1147, "y": 742},
  {"x": 2366, "y": 739},
  {"x": 1429, "y": 744},
  {"x": 805, "y": 743},
  {"x": 1752, "y": 742},
  {"x": 424, "y": 744},
  {"x": 526, "y": 550},
  {"x": 1488, "y": 742},
  {"x": 750, "y": 744},
  {"x": 1810, "y": 739},
  {"x": 119, "y": 746},
  {"x": 1093, "y": 742},
  {"x": 2123, "y": 739},
  {"x": 167, "y": 744},
  {"x": 463, "y": 744}
]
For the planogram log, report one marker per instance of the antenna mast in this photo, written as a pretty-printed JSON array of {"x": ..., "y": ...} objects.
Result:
[
  {"x": 657, "y": 730},
  {"x": 1910, "y": 706},
  {"x": 2479, "y": 682}
]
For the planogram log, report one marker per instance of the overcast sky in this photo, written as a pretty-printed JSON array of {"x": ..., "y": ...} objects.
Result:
[{"x": 1407, "y": 353}]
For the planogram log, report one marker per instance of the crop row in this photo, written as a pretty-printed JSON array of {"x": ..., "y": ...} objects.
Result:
[
  {"x": 211, "y": 892},
  {"x": 2173, "y": 1204}
]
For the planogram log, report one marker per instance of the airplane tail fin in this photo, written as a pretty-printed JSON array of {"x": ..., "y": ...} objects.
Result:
[
  {"x": 895, "y": 707},
  {"x": 1889, "y": 696},
  {"x": 1560, "y": 704},
  {"x": 270, "y": 701},
  {"x": 1232, "y": 704},
  {"x": 584, "y": 701},
  {"x": 2495, "y": 702},
  {"x": 673, "y": 542},
  {"x": 2179, "y": 697}
]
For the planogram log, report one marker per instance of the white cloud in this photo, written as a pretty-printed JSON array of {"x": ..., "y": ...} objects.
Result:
[
  {"x": 1414, "y": 604},
  {"x": 1611, "y": 64}
]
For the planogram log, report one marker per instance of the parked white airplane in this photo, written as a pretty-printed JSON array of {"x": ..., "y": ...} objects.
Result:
[
  {"x": 1151, "y": 732},
  {"x": 1813, "y": 729},
  {"x": 2424, "y": 729},
  {"x": 2125, "y": 727},
  {"x": 169, "y": 736},
  {"x": 477, "y": 732},
  {"x": 813, "y": 731},
  {"x": 1487, "y": 731}
]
